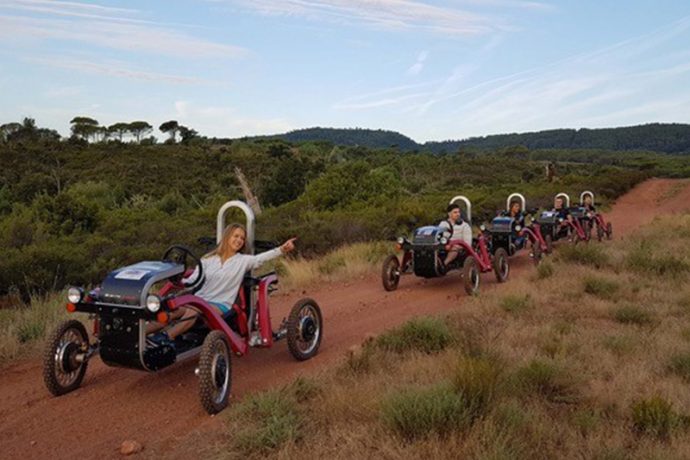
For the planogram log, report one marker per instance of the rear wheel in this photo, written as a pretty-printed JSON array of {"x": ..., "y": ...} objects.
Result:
[
  {"x": 215, "y": 372},
  {"x": 609, "y": 231},
  {"x": 64, "y": 362},
  {"x": 470, "y": 275},
  {"x": 500, "y": 265},
  {"x": 549, "y": 244},
  {"x": 390, "y": 274},
  {"x": 587, "y": 228},
  {"x": 304, "y": 329},
  {"x": 600, "y": 232}
]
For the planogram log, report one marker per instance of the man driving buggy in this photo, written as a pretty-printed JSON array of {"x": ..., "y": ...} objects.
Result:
[
  {"x": 455, "y": 228},
  {"x": 224, "y": 270}
]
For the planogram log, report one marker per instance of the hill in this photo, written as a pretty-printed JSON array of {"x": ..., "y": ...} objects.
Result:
[{"x": 671, "y": 138}]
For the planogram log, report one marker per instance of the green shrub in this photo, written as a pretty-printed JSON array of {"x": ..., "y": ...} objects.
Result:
[
  {"x": 644, "y": 258},
  {"x": 427, "y": 335},
  {"x": 547, "y": 380},
  {"x": 654, "y": 417},
  {"x": 632, "y": 314},
  {"x": 514, "y": 303},
  {"x": 545, "y": 270},
  {"x": 600, "y": 287},
  {"x": 619, "y": 344},
  {"x": 269, "y": 420},
  {"x": 584, "y": 254},
  {"x": 680, "y": 365},
  {"x": 476, "y": 378},
  {"x": 416, "y": 413}
]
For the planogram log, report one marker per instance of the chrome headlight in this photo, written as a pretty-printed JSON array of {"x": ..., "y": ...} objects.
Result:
[
  {"x": 401, "y": 240},
  {"x": 518, "y": 228},
  {"x": 589, "y": 215},
  {"x": 482, "y": 227},
  {"x": 153, "y": 303},
  {"x": 444, "y": 240},
  {"x": 560, "y": 219},
  {"x": 74, "y": 295}
]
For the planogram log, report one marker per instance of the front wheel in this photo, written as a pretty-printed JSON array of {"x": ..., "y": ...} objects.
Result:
[
  {"x": 500, "y": 265},
  {"x": 304, "y": 329},
  {"x": 609, "y": 231},
  {"x": 600, "y": 232},
  {"x": 390, "y": 273},
  {"x": 470, "y": 275},
  {"x": 215, "y": 372},
  {"x": 64, "y": 358},
  {"x": 536, "y": 252}
]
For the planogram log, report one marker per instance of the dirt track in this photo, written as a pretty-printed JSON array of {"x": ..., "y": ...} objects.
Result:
[{"x": 161, "y": 410}]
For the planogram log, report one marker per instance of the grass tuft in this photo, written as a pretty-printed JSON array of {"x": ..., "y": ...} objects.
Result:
[
  {"x": 644, "y": 258},
  {"x": 428, "y": 335},
  {"x": 545, "y": 270},
  {"x": 632, "y": 314},
  {"x": 547, "y": 380},
  {"x": 654, "y": 417},
  {"x": 416, "y": 413},
  {"x": 476, "y": 378},
  {"x": 680, "y": 365},
  {"x": 600, "y": 287},
  {"x": 514, "y": 303},
  {"x": 584, "y": 254}
]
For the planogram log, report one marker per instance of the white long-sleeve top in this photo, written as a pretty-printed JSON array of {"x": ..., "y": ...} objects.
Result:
[
  {"x": 223, "y": 280},
  {"x": 461, "y": 231}
]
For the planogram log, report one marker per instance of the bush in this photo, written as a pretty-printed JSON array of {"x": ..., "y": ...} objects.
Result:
[
  {"x": 545, "y": 270},
  {"x": 644, "y": 258},
  {"x": 513, "y": 303},
  {"x": 680, "y": 365},
  {"x": 654, "y": 417},
  {"x": 427, "y": 335},
  {"x": 600, "y": 287},
  {"x": 476, "y": 378},
  {"x": 547, "y": 380},
  {"x": 416, "y": 413},
  {"x": 632, "y": 314},
  {"x": 584, "y": 254}
]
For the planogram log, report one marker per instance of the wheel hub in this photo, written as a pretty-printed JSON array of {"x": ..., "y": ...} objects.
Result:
[
  {"x": 68, "y": 357},
  {"x": 308, "y": 328}
]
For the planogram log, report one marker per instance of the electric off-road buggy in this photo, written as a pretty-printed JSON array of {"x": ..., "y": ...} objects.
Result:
[
  {"x": 424, "y": 256},
  {"x": 589, "y": 219},
  {"x": 514, "y": 234},
  {"x": 131, "y": 297},
  {"x": 564, "y": 223}
]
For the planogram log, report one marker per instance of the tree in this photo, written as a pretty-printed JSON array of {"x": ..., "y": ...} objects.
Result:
[
  {"x": 8, "y": 129},
  {"x": 187, "y": 134},
  {"x": 84, "y": 127},
  {"x": 170, "y": 128},
  {"x": 140, "y": 129},
  {"x": 119, "y": 130}
]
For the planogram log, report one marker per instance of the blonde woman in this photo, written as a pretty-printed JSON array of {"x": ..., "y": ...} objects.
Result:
[{"x": 224, "y": 270}]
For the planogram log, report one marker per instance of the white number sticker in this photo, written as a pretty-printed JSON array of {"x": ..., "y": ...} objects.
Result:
[{"x": 131, "y": 274}]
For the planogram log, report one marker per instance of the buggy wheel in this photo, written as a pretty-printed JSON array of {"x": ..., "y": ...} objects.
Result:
[
  {"x": 600, "y": 232},
  {"x": 215, "y": 372},
  {"x": 500, "y": 265},
  {"x": 536, "y": 252},
  {"x": 549, "y": 244},
  {"x": 587, "y": 227},
  {"x": 470, "y": 274},
  {"x": 576, "y": 238},
  {"x": 609, "y": 231},
  {"x": 63, "y": 358},
  {"x": 304, "y": 329},
  {"x": 390, "y": 274}
]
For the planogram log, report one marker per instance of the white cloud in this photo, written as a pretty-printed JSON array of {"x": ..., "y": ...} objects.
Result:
[{"x": 418, "y": 66}]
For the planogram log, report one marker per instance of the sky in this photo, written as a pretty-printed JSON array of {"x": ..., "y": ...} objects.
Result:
[{"x": 430, "y": 69}]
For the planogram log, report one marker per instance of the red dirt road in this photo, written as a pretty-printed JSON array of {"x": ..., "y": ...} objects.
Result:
[{"x": 162, "y": 411}]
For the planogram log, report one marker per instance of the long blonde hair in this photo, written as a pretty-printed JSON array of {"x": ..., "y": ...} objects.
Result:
[{"x": 223, "y": 249}]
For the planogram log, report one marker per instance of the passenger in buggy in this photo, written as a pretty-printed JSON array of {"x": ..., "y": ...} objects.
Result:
[
  {"x": 455, "y": 228},
  {"x": 588, "y": 204},
  {"x": 224, "y": 271}
]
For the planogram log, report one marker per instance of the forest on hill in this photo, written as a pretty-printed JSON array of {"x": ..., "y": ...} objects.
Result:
[
  {"x": 657, "y": 137},
  {"x": 70, "y": 210}
]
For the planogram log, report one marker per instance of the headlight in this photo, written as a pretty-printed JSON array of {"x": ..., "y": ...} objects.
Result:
[
  {"x": 74, "y": 295},
  {"x": 444, "y": 240},
  {"x": 153, "y": 303},
  {"x": 518, "y": 228},
  {"x": 560, "y": 219},
  {"x": 589, "y": 215},
  {"x": 401, "y": 240},
  {"x": 482, "y": 227}
]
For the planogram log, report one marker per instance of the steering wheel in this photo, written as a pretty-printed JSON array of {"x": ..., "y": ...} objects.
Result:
[{"x": 182, "y": 256}]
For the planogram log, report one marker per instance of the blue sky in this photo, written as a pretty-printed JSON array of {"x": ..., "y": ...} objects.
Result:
[{"x": 430, "y": 69}]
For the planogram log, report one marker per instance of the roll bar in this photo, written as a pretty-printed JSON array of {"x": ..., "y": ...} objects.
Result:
[
  {"x": 583, "y": 194},
  {"x": 250, "y": 226},
  {"x": 565, "y": 197},
  {"x": 468, "y": 206},
  {"x": 516, "y": 195}
]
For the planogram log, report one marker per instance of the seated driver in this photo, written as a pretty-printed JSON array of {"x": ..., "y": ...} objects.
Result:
[
  {"x": 588, "y": 204},
  {"x": 455, "y": 229},
  {"x": 224, "y": 270},
  {"x": 516, "y": 213},
  {"x": 561, "y": 210}
]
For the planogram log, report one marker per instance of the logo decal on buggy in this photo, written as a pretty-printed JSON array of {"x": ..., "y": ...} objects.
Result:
[{"x": 131, "y": 274}]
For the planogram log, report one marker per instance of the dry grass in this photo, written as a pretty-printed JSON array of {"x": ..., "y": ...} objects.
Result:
[{"x": 590, "y": 361}]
